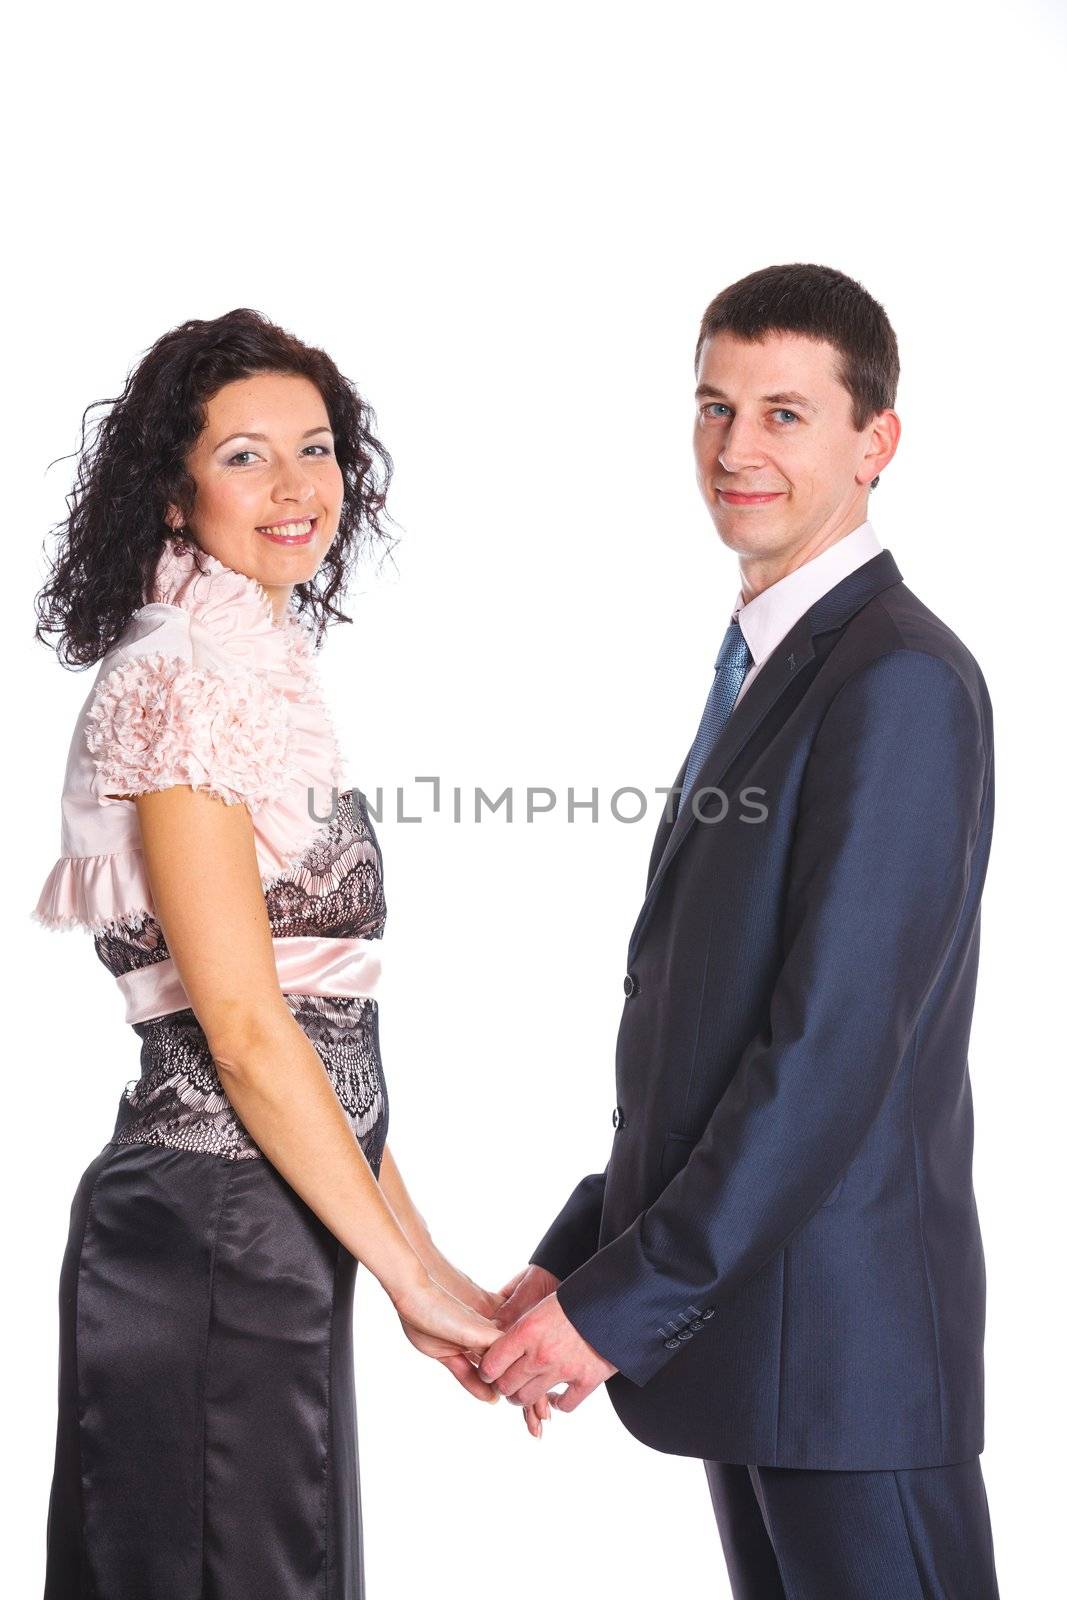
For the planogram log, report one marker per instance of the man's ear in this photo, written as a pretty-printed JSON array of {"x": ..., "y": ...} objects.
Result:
[{"x": 883, "y": 436}]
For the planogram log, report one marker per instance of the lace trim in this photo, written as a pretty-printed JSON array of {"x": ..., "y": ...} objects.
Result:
[
  {"x": 179, "y": 1100},
  {"x": 334, "y": 889}
]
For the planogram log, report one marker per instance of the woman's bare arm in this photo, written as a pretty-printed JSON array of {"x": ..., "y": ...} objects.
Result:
[
  {"x": 201, "y": 861},
  {"x": 437, "y": 1265}
]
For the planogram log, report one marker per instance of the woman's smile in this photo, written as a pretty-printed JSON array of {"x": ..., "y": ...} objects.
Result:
[{"x": 295, "y": 531}]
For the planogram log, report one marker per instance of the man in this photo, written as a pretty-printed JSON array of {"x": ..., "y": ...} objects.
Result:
[{"x": 780, "y": 1270}]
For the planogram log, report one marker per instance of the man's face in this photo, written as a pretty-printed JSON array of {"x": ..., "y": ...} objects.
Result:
[{"x": 774, "y": 421}]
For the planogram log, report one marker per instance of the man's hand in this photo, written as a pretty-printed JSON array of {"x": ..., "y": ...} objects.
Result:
[
  {"x": 524, "y": 1290},
  {"x": 544, "y": 1348},
  {"x": 528, "y": 1286}
]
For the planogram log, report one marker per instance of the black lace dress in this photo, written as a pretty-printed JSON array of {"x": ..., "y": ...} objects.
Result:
[{"x": 206, "y": 1443}]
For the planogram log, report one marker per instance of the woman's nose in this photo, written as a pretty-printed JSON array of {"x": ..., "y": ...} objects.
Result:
[{"x": 293, "y": 483}]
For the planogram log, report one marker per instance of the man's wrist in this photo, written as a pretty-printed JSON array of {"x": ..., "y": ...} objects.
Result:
[{"x": 553, "y": 1277}]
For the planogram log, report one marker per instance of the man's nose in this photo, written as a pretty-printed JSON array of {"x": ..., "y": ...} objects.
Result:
[{"x": 742, "y": 446}]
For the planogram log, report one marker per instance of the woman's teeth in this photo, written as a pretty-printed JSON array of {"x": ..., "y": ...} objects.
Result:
[{"x": 289, "y": 530}]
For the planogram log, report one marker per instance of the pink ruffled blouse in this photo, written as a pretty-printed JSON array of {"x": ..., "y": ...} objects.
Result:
[{"x": 206, "y": 688}]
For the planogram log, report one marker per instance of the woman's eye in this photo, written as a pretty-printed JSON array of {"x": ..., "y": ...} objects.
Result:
[{"x": 238, "y": 458}]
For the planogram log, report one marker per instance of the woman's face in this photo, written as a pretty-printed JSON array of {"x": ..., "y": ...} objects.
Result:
[{"x": 264, "y": 468}]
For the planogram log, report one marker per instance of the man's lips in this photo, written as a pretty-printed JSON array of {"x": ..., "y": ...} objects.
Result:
[{"x": 733, "y": 498}]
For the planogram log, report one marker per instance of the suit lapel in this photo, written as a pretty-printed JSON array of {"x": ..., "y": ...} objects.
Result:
[
  {"x": 783, "y": 666},
  {"x": 666, "y": 823}
]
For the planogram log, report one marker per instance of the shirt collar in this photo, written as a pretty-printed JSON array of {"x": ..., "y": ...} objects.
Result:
[{"x": 768, "y": 616}]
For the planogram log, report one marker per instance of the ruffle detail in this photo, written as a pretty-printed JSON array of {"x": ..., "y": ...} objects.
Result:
[
  {"x": 238, "y": 611},
  {"x": 94, "y": 892},
  {"x": 263, "y": 736},
  {"x": 157, "y": 721}
]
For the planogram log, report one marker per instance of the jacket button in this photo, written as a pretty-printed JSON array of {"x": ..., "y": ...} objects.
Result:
[
  {"x": 618, "y": 1117},
  {"x": 630, "y": 985},
  {"x": 706, "y": 1316},
  {"x": 685, "y": 1333},
  {"x": 672, "y": 1344}
]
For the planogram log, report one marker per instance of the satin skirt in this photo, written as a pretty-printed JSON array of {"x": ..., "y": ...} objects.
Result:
[{"x": 206, "y": 1444}]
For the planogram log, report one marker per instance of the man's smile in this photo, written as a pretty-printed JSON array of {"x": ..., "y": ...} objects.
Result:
[{"x": 733, "y": 498}]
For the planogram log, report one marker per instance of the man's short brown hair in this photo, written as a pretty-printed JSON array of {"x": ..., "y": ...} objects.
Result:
[{"x": 821, "y": 303}]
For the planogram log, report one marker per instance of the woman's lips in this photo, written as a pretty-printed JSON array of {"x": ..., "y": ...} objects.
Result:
[
  {"x": 733, "y": 499},
  {"x": 278, "y": 535}
]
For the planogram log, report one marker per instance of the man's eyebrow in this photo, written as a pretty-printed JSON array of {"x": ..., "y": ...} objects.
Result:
[
  {"x": 792, "y": 397},
  {"x": 788, "y": 397},
  {"x": 322, "y": 428}
]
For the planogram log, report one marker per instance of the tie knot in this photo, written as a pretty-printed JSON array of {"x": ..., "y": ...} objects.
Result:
[{"x": 734, "y": 651}]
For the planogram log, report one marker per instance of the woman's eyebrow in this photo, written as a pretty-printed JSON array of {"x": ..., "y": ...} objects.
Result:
[{"x": 322, "y": 428}]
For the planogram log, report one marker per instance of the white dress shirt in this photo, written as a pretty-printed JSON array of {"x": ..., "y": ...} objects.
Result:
[{"x": 768, "y": 617}]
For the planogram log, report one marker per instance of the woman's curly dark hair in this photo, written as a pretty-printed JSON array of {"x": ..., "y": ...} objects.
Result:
[{"x": 109, "y": 543}]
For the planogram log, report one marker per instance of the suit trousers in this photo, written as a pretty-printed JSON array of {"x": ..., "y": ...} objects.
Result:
[{"x": 792, "y": 1534}]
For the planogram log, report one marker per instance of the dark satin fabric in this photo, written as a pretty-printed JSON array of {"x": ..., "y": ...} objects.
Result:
[{"x": 206, "y": 1440}]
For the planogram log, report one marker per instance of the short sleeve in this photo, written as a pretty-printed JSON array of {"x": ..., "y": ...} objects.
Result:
[{"x": 156, "y": 720}]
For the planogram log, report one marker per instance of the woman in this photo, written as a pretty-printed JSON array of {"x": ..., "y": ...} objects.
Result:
[{"x": 206, "y": 1438}]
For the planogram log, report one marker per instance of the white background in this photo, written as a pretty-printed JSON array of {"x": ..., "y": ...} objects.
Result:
[{"x": 505, "y": 224}]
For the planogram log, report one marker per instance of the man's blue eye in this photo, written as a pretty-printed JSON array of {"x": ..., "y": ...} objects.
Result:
[{"x": 782, "y": 412}]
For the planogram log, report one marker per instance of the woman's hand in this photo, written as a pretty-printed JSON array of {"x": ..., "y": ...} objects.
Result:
[
  {"x": 485, "y": 1301},
  {"x": 442, "y": 1327},
  {"x": 529, "y": 1286},
  {"x": 540, "y": 1411}
]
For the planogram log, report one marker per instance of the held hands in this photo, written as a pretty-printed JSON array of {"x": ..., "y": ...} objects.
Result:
[
  {"x": 442, "y": 1326},
  {"x": 524, "y": 1290},
  {"x": 516, "y": 1342},
  {"x": 528, "y": 1286},
  {"x": 541, "y": 1349}
]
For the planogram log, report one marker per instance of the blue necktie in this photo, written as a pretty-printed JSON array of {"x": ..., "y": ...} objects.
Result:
[{"x": 731, "y": 665}]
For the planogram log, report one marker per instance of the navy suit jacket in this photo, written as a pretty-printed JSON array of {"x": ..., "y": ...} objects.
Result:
[{"x": 782, "y": 1256}]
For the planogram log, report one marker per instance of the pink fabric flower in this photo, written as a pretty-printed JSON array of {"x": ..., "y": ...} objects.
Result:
[{"x": 156, "y": 721}]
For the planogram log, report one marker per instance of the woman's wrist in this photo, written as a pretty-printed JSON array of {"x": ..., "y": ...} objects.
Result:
[
  {"x": 406, "y": 1279},
  {"x": 440, "y": 1269}
]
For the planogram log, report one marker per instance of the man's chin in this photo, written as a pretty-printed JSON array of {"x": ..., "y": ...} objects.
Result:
[{"x": 740, "y": 534}]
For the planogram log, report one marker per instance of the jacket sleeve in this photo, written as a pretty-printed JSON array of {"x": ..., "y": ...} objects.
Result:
[
  {"x": 574, "y": 1235},
  {"x": 889, "y": 815}
]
